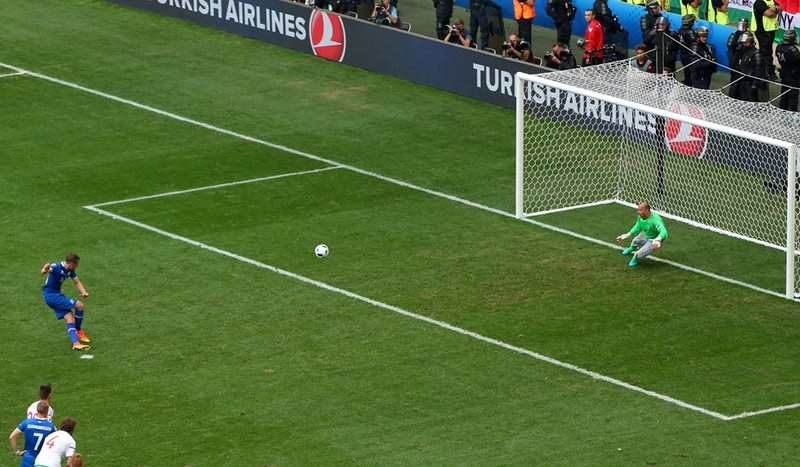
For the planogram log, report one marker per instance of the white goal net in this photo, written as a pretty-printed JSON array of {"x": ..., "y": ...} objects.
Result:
[{"x": 612, "y": 134}]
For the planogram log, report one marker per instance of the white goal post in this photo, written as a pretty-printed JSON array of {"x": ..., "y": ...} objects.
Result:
[{"x": 612, "y": 134}]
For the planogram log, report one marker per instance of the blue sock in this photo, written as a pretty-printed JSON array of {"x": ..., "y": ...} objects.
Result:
[
  {"x": 73, "y": 333},
  {"x": 78, "y": 319}
]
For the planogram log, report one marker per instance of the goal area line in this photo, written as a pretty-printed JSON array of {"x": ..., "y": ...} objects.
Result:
[{"x": 444, "y": 325}]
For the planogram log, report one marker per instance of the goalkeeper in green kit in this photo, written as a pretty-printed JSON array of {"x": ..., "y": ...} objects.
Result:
[{"x": 649, "y": 234}]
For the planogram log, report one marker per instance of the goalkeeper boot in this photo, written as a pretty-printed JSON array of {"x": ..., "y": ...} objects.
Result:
[
  {"x": 625, "y": 252},
  {"x": 82, "y": 337},
  {"x": 634, "y": 261},
  {"x": 80, "y": 347}
]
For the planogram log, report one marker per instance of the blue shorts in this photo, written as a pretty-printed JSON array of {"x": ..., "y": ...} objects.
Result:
[
  {"x": 28, "y": 459},
  {"x": 60, "y": 304}
]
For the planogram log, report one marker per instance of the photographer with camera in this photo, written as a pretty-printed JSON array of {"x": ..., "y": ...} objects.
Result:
[
  {"x": 517, "y": 49},
  {"x": 560, "y": 58},
  {"x": 456, "y": 34},
  {"x": 384, "y": 13}
]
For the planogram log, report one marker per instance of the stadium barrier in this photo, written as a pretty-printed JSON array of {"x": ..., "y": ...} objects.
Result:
[{"x": 412, "y": 57}]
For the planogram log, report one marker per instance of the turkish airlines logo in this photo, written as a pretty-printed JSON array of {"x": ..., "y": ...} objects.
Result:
[
  {"x": 327, "y": 35},
  {"x": 685, "y": 138}
]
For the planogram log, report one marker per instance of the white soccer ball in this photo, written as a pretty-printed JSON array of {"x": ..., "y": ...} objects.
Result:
[{"x": 321, "y": 251}]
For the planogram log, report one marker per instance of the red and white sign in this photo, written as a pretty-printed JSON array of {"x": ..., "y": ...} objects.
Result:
[
  {"x": 327, "y": 35},
  {"x": 685, "y": 138}
]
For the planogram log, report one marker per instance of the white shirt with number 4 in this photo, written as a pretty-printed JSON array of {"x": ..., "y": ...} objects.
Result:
[{"x": 56, "y": 446}]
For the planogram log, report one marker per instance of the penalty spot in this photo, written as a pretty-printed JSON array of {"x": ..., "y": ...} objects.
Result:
[{"x": 87, "y": 356}]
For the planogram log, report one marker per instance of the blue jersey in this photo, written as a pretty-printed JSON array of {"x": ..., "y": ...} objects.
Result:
[
  {"x": 35, "y": 430},
  {"x": 58, "y": 273}
]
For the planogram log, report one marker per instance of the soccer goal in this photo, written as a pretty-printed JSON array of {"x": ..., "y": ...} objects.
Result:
[{"x": 612, "y": 134}]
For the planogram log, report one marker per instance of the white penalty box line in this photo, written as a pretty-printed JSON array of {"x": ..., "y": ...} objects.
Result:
[
  {"x": 96, "y": 208},
  {"x": 335, "y": 165}
]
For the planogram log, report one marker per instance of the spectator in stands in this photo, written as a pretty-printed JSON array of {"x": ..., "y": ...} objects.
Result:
[
  {"x": 338, "y": 6},
  {"x": 788, "y": 57},
  {"x": 687, "y": 37},
  {"x": 691, "y": 7},
  {"x": 457, "y": 34},
  {"x": 384, "y": 13},
  {"x": 524, "y": 13},
  {"x": 750, "y": 65},
  {"x": 562, "y": 12},
  {"x": 718, "y": 12},
  {"x": 734, "y": 46},
  {"x": 517, "y": 49},
  {"x": 607, "y": 19},
  {"x": 479, "y": 18},
  {"x": 704, "y": 63},
  {"x": 643, "y": 62},
  {"x": 648, "y": 23},
  {"x": 671, "y": 41},
  {"x": 444, "y": 11},
  {"x": 764, "y": 20},
  {"x": 593, "y": 47},
  {"x": 560, "y": 58}
]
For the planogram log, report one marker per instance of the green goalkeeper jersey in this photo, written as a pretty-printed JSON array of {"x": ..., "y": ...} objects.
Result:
[{"x": 653, "y": 227}]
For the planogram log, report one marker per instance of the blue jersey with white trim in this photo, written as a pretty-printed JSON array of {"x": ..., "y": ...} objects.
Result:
[{"x": 57, "y": 275}]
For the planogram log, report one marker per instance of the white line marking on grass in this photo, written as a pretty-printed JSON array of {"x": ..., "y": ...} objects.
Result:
[
  {"x": 656, "y": 259},
  {"x": 220, "y": 185},
  {"x": 417, "y": 188},
  {"x": 409, "y": 314},
  {"x": 6, "y": 75},
  {"x": 375, "y": 175},
  {"x": 760, "y": 412}
]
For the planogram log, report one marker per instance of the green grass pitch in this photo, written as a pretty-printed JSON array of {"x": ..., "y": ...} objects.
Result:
[{"x": 439, "y": 331}]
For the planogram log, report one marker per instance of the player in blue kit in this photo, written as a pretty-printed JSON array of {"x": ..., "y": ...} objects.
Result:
[
  {"x": 62, "y": 305},
  {"x": 36, "y": 429}
]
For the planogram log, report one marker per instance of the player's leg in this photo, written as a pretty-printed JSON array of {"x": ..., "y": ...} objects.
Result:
[
  {"x": 69, "y": 318},
  {"x": 644, "y": 251},
  {"x": 62, "y": 306},
  {"x": 79, "y": 308},
  {"x": 636, "y": 243}
]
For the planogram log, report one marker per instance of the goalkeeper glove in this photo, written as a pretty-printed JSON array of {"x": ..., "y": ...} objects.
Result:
[
  {"x": 657, "y": 244},
  {"x": 624, "y": 236}
]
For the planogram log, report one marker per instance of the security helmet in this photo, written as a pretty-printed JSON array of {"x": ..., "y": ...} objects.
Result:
[
  {"x": 701, "y": 31},
  {"x": 662, "y": 20},
  {"x": 743, "y": 24},
  {"x": 747, "y": 38},
  {"x": 790, "y": 36},
  {"x": 688, "y": 20},
  {"x": 653, "y": 5}
]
